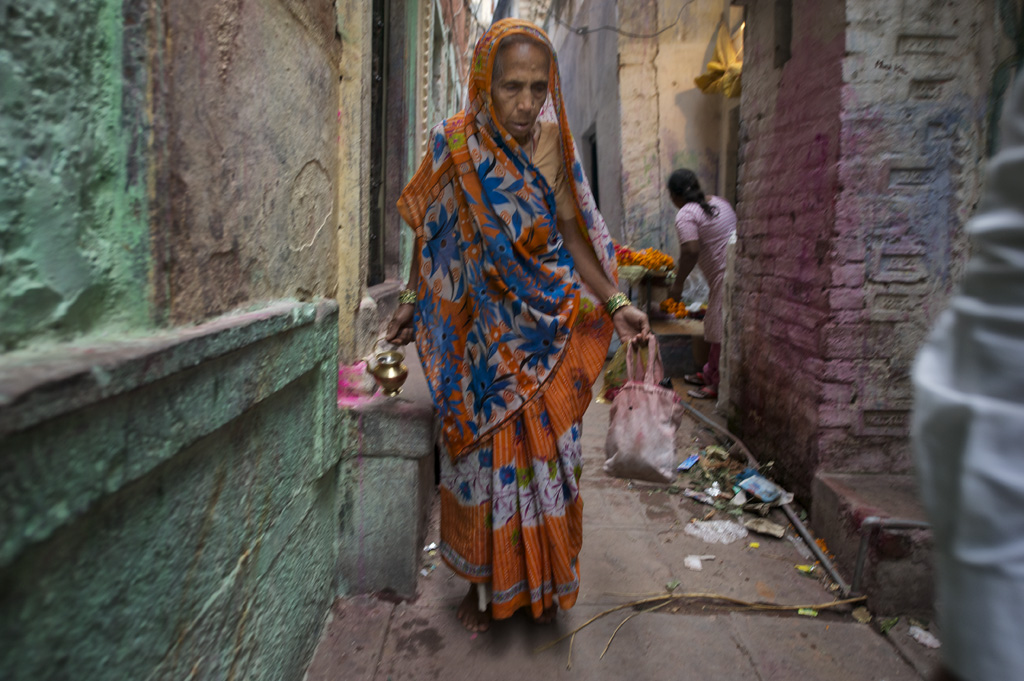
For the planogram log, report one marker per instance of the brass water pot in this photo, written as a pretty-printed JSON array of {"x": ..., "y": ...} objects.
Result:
[{"x": 389, "y": 371}]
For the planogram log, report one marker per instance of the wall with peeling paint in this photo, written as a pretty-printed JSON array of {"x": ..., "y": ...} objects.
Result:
[
  {"x": 74, "y": 247},
  {"x": 916, "y": 82},
  {"x": 689, "y": 121},
  {"x": 790, "y": 146},
  {"x": 860, "y": 163},
  {"x": 353, "y": 190},
  {"x": 172, "y": 504},
  {"x": 164, "y": 166}
]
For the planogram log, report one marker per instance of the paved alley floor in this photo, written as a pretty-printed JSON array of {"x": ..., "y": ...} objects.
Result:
[{"x": 634, "y": 547}]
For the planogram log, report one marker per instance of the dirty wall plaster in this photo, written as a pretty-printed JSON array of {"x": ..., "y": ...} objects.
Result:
[
  {"x": 252, "y": 154},
  {"x": 689, "y": 121}
]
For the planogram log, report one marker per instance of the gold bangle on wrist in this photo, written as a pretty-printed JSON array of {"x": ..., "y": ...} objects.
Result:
[
  {"x": 407, "y": 297},
  {"x": 616, "y": 302}
]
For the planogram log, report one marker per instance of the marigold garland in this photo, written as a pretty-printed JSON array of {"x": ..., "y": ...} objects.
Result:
[
  {"x": 677, "y": 309},
  {"x": 651, "y": 258}
]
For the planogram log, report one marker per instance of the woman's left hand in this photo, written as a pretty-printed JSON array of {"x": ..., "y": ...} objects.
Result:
[{"x": 631, "y": 322}]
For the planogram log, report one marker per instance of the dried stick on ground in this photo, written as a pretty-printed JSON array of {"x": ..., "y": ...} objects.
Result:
[
  {"x": 670, "y": 598},
  {"x": 640, "y": 612}
]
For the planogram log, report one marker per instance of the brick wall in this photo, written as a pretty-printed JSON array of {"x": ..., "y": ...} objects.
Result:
[{"x": 788, "y": 183}]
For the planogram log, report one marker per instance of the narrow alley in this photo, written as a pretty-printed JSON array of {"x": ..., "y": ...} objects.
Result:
[{"x": 634, "y": 548}]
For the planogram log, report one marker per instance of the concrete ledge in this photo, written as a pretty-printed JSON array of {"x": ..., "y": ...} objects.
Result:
[
  {"x": 36, "y": 386},
  {"x": 897, "y": 575},
  {"x": 112, "y": 433}
]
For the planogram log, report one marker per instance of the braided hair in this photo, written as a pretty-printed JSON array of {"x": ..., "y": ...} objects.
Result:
[{"x": 683, "y": 184}]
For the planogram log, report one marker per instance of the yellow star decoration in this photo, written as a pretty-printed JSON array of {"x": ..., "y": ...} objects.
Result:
[{"x": 726, "y": 65}]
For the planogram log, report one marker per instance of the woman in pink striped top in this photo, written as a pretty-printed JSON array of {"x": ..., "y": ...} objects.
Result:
[{"x": 704, "y": 224}]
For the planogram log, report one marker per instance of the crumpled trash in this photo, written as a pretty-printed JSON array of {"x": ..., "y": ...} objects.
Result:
[
  {"x": 716, "y": 531},
  {"x": 716, "y": 452},
  {"x": 925, "y": 638},
  {"x": 767, "y": 527},
  {"x": 739, "y": 499},
  {"x": 695, "y": 562},
  {"x": 758, "y": 485},
  {"x": 808, "y": 570},
  {"x": 807, "y": 612},
  {"x": 885, "y": 625},
  {"x": 761, "y": 509},
  {"x": 432, "y": 546},
  {"x": 688, "y": 463},
  {"x": 699, "y": 496}
]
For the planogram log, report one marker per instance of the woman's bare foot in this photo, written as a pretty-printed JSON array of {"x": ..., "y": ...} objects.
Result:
[
  {"x": 469, "y": 613},
  {"x": 548, "y": 615}
]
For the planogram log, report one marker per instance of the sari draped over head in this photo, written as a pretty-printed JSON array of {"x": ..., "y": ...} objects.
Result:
[
  {"x": 497, "y": 294},
  {"x": 510, "y": 340}
]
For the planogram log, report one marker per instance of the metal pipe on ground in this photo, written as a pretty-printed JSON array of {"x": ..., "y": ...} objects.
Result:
[
  {"x": 869, "y": 528},
  {"x": 801, "y": 529}
]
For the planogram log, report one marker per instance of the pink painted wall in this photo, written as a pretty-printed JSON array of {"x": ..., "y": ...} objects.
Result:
[{"x": 789, "y": 182}]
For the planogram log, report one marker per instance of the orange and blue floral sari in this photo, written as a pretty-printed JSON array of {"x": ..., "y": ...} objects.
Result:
[{"x": 511, "y": 343}]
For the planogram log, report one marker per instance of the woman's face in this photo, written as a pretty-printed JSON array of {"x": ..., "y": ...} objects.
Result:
[{"x": 519, "y": 91}]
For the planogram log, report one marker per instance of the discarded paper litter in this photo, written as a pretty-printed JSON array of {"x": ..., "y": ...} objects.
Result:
[
  {"x": 762, "y": 526},
  {"x": 716, "y": 531},
  {"x": 699, "y": 496},
  {"x": 688, "y": 463},
  {"x": 925, "y": 638},
  {"x": 695, "y": 562},
  {"x": 862, "y": 615}
]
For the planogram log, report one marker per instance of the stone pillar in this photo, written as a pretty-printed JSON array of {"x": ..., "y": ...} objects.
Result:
[{"x": 390, "y": 481}]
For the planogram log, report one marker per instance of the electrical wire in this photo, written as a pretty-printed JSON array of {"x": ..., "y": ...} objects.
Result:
[
  {"x": 472, "y": 13},
  {"x": 584, "y": 30}
]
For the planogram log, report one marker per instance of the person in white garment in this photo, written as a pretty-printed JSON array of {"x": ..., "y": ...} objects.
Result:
[{"x": 968, "y": 432}]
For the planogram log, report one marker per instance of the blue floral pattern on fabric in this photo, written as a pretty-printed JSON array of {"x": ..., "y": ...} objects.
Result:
[{"x": 498, "y": 290}]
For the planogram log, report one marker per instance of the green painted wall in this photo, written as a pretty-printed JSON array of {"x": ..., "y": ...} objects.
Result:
[
  {"x": 73, "y": 229},
  {"x": 192, "y": 529}
]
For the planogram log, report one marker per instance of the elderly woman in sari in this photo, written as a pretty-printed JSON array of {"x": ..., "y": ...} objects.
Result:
[{"x": 512, "y": 299}]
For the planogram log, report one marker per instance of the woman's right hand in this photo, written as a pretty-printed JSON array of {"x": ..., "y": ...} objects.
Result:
[{"x": 402, "y": 327}]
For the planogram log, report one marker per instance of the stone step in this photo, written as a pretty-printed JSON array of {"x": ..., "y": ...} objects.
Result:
[{"x": 896, "y": 574}]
